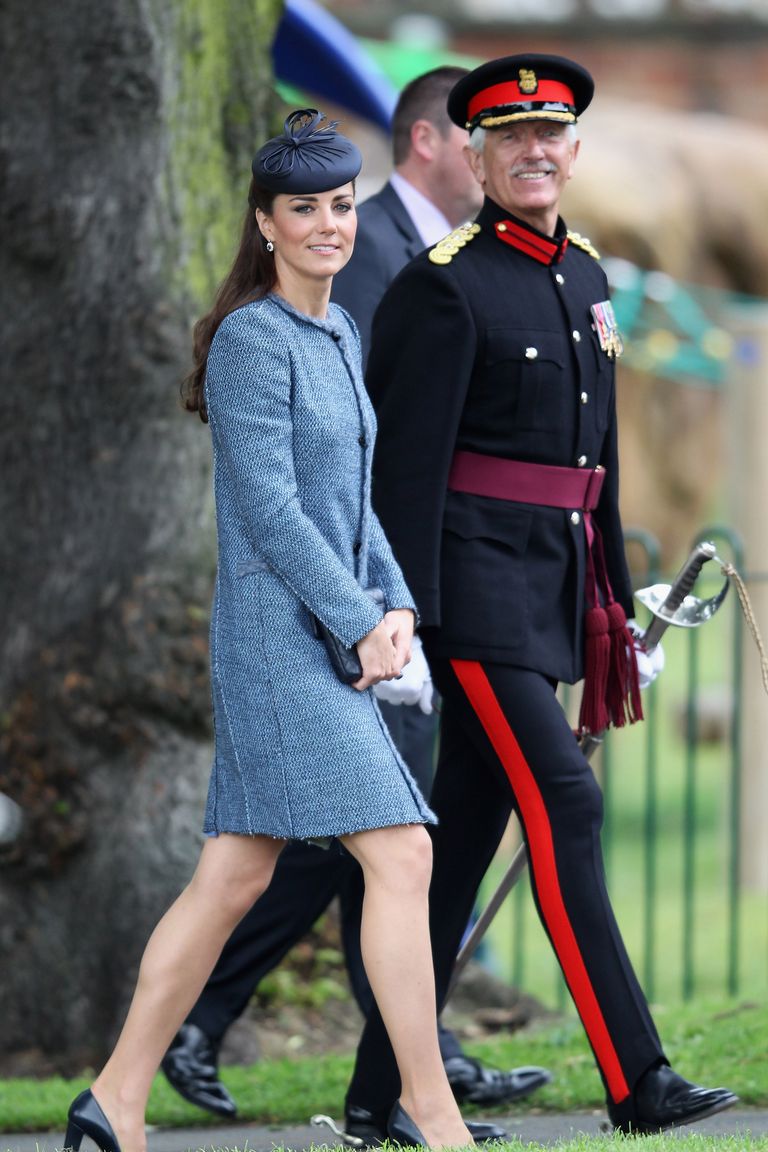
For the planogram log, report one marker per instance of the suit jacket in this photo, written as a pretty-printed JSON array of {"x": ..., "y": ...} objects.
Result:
[
  {"x": 494, "y": 351},
  {"x": 386, "y": 240}
]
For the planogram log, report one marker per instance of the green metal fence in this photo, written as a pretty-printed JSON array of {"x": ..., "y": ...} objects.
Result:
[{"x": 673, "y": 792}]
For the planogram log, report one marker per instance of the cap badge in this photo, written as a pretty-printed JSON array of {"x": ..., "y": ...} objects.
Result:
[{"x": 528, "y": 82}]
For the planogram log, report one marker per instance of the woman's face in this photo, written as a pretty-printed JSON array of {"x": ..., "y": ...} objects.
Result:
[{"x": 313, "y": 233}]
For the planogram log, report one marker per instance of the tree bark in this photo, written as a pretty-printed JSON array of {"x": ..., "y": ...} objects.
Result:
[{"x": 128, "y": 128}]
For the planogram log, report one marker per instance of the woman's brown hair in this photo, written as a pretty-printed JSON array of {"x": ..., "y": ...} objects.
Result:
[{"x": 251, "y": 276}]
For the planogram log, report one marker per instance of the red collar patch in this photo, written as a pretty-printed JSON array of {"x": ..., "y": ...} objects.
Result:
[{"x": 541, "y": 248}]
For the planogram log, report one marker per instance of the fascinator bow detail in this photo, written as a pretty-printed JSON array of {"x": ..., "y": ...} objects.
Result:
[{"x": 304, "y": 144}]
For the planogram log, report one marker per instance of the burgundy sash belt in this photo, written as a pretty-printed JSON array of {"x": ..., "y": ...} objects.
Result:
[
  {"x": 524, "y": 482},
  {"x": 611, "y": 689}
]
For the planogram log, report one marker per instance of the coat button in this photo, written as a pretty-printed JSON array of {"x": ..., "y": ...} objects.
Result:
[
  {"x": 584, "y": 397},
  {"x": 575, "y": 518},
  {"x": 531, "y": 353},
  {"x": 356, "y": 547},
  {"x": 576, "y": 335},
  {"x": 559, "y": 278},
  {"x": 336, "y": 336},
  {"x": 581, "y": 461},
  {"x": 362, "y": 441}
]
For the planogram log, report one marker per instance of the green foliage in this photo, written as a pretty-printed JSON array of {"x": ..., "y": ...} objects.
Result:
[
  {"x": 312, "y": 973},
  {"x": 284, "y": 986}
]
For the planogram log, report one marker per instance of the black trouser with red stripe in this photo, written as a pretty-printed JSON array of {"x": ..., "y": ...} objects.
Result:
[{"x": 505, "y": 743}]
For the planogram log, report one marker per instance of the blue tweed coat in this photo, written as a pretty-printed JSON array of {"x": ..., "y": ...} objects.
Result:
[{"x": 298, "y": 754}]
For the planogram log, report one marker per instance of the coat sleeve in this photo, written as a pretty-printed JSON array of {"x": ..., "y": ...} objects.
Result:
[
  {"x": 608, "y": 520},
  {"x": 248, "y": 393},
  {"x": 422, "y": 356},
  {"x": 384, "y": 571}
]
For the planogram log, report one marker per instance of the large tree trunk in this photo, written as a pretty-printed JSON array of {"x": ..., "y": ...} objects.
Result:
[{"x": 128, "y": 128}]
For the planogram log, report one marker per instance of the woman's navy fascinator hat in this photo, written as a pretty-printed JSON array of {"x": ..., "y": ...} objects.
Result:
[{"x": 308, "y": 156}]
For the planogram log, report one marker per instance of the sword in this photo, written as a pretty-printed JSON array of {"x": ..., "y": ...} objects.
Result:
[
  {"x": 11, "y": 821},
  {"x": 670, "y": 605},
  {"x": 319, "y": 1120}
]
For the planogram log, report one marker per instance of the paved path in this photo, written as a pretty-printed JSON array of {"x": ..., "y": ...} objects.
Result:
[{"x": 531, "y": 1129}]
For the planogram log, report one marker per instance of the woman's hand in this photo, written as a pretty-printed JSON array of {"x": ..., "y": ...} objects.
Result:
[
  {"x": 401, "y": 622},
  {"x": 385, "y": 650},
  {"x": 415, "y": 684}
]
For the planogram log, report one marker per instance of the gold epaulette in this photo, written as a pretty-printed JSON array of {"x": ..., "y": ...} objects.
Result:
[
  {"x": 445, "y": 249},
  {"x": 583, "y": 243}
]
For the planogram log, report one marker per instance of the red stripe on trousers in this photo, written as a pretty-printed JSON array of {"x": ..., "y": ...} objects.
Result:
[{"x": 482, "y": 698}]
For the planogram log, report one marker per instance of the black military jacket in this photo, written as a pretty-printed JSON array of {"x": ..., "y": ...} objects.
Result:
[{"x": 494, "y": 350}]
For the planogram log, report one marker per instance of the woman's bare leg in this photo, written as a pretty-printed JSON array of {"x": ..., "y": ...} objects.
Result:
[
  {"x": 397, "y": 864},
  {"x": 231, "y": 874}
]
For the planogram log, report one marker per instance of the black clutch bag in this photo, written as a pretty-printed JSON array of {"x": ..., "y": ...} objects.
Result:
[{"x": 344, "y": 661}]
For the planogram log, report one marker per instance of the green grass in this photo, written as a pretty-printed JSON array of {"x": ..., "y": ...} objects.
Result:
[
  {"x": 660, "y": 1143},
  {"x": 714, "y": 1043}
]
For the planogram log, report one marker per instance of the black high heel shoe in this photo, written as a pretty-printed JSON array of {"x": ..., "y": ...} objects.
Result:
[
  {"x": 402, "y": 1129},
  {"x": 85, "y": 1118}
]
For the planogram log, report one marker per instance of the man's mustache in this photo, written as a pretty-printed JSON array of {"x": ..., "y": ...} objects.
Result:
[{"x": 519, "y": 169}]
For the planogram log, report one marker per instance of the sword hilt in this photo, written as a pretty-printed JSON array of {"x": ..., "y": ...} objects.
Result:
[
  {"x": 680, "y": 588},
  {"x": 11, "y": 820}
]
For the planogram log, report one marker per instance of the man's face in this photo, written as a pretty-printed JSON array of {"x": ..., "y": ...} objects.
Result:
[
  {"x": 524, "y": 167},
  {"x": 452, "y": 175}
]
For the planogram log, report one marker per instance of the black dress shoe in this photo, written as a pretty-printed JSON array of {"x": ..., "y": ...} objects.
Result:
[
  {"x": 363, "y": 1125},
  {"x": 662, "y": 1099},
  {"x": 85, "y": 1118},
  {"x": 191, "y": 1067},
  {"x": 475, "y": 1084}
]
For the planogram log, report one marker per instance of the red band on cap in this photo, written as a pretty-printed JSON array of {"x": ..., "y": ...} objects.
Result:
[{"x": 547, "y": 92}]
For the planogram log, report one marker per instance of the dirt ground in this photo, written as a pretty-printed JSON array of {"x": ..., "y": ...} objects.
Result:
[{"x": 480, "y": 1006}]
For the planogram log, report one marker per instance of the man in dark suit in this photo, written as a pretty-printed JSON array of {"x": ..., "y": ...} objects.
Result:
[
  {"x": 496, "y": 480},
  {"x": 431, "y": 191}
]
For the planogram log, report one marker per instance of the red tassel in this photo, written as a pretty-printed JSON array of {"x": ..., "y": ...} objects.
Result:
[
  {"x": 623, "y": 687},
  {"x": 594, "y": 716}
]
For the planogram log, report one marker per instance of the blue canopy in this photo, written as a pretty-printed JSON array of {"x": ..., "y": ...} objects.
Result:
[{"x": 314, "y": 52}]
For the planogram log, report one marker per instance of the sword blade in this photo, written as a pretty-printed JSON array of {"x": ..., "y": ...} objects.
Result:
[{"x": 482, "y": 924}]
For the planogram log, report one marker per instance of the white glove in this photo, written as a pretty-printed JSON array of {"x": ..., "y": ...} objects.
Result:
[
  {"x": 649, "y": 664},
  {"x": 414, "y": 686}
]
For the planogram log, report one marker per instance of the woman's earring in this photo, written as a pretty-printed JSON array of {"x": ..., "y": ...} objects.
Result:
[{"x": 270, "y": 246}]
